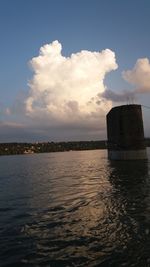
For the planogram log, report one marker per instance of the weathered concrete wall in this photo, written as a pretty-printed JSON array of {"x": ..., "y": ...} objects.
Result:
[
  {"x": 125, "y": 132},
  {"x": 127, "y": 154}
]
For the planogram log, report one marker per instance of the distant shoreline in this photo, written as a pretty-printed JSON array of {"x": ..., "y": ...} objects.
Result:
[{"x": 47, "y": 147}]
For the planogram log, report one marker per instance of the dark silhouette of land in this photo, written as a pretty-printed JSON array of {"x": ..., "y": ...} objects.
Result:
[
  {"x": 42, "y": 147},
  {"x": 45, "y": 147}
]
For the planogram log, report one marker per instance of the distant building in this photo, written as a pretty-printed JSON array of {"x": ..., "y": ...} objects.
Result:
[{"x": 125, "y": 133}]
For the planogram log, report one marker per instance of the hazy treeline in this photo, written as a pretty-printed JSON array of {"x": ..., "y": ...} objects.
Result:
[{"x": 29, "y": 148}]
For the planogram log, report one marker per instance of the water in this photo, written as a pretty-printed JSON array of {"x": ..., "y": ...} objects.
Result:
[{"x": 74, "y": 209}]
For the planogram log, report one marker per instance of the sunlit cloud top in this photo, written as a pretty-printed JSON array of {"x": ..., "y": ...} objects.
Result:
[{"x": 64, "y": 89}]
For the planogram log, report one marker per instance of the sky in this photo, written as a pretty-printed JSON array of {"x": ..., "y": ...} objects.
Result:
[{"x": 65, "y": 63}]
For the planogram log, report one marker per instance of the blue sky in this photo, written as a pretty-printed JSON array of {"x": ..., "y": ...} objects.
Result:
[{"x": 93, "y": 25}]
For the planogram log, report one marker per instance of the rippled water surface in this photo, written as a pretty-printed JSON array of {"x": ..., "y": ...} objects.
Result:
[{"x": 74, "y": 209}]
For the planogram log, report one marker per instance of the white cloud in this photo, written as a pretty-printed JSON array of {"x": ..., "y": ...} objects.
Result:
[
  {"x": 63, "y": 90},
  {"x": 139, "y": 75}
]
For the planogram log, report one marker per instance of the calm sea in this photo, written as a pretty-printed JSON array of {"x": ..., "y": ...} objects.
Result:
[{"x": 74, "y": 209}]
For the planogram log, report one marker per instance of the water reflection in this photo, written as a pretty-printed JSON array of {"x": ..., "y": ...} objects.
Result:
[
  {"x": 75, "y": 209},
  {"x": 131, "y": 197},
  {"x": 131, "y": 182},
  {"x": 128, "y": 173}
]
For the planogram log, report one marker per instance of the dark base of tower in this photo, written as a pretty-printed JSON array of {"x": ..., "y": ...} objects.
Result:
[{"x": 127, "y": 154}]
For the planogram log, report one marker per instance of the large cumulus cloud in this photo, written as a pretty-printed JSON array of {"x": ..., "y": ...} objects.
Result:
[{"x": 63, "y": 90}]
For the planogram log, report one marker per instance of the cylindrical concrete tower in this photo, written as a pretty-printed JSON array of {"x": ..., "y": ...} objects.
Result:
[{"x": 125, "y": 133}]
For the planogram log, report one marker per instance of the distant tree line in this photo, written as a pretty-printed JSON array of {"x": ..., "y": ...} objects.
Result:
[
  {"x": 29, "y": 148},
  {"x": 43, "y": 147}
]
